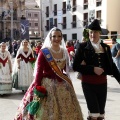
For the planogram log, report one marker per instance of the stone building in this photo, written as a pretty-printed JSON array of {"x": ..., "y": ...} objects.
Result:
[
  {"x": 8, "y": 8},
  {"x": 32, "y": 13}
]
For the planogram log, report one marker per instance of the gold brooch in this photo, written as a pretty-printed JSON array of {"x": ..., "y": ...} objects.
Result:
[
  {"x": 48, "y": 56},
  {"x": 52, "y": 63}
]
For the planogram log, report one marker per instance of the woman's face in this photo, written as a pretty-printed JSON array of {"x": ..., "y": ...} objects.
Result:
[
  {"x": 94, "y": 35},
  {"x": 25, "y": 43},
  {"x": 3, "y": 47},
  {"x": 56, "y": 38}
]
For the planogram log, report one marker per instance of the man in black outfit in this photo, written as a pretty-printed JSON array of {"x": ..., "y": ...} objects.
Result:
[{"x": 94, "y": 61}]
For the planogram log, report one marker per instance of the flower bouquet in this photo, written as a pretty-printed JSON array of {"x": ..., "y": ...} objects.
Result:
[
  {"x": 86, "y": 34},
  {"x": 39, "y": 93},
  {"x": 32, "y": 61}
]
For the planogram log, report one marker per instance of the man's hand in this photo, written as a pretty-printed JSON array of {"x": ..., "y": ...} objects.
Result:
[
  {"x": 98, "y": 70},
  {"x": 118, "y": 54},
  {"x": 83, "y": 63}
]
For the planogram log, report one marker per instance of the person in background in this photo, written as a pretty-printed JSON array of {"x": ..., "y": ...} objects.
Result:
[
  {"x": 10, "y": 47},
  {"x": 71, "y": 51},
  {"x": 33, "y": 46},
  {"x": 38, "y": 47},
  {"x": 22, "y": 68},
  {"x": 18, "y": 44},
  {"x": 14, "y": 48},
  {"x": 115, "y": 50},
  {"x": 98, "y": 63},
  {"x": 51, "y": 73},
  {"x": 76, "y": 44},
  {"x": 5, "y": 70}
]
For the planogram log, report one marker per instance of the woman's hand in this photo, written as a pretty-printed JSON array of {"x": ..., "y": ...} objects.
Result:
[
  {"x": 18, "y": 66},
  {"x": 18, "y": 60},
  {"x": 98, "y": 70},
  {"x": 10, "y": 70}
]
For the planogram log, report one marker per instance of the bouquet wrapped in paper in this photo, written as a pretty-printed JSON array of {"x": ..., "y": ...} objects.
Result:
[
  {"x": 39, "y": 93},
  {"x": 32, "y": 61}
]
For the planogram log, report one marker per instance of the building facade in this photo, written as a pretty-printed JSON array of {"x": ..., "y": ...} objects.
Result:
[
  {"x": 72, "y": 16},
  {"x": 8, "y": 8},
  {"x": 33, "y": 15},
  {"x": 65, "y": 15}
]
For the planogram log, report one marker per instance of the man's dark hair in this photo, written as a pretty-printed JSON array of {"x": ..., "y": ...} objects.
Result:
[{"x": 114, "y": 39}]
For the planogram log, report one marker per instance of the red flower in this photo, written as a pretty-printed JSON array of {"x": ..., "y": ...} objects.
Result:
[
  {"x": 41, "y": 89},
  {"x": 32, "y": 60}
]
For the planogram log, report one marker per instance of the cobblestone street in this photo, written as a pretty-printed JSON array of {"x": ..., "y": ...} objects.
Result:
[{"x": 9, "y": 103}]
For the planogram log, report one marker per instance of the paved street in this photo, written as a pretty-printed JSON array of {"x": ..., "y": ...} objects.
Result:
[{"x": 9, "y": 103}]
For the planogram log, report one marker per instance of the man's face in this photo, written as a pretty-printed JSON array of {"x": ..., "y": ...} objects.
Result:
[
  {"x": 113, "y": 42},
  {"x": 94, "y": 35}
]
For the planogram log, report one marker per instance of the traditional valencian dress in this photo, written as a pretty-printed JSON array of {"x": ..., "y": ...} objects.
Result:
[
  {"x": 61, "y": 102},
  {"x": 5, "y": 75},
  {"x": 23, "y": 77}
]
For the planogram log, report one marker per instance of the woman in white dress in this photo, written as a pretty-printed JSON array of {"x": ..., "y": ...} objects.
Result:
[
  {"x": 5, "y": 70},
  {"x": 22, "y": 69}
]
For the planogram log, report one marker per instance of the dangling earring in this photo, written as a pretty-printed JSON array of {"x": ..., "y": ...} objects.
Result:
[
  {"x": 60, "y": 43},
  {"x": 50, "y": 43}
]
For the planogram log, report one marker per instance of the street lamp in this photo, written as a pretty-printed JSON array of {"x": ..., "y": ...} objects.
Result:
[
  {"x": 11, "y": 7},
  {"x": 41, "y": 18}
]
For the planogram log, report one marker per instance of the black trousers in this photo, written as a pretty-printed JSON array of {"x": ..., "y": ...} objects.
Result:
[{"x": 95, "y": 96}]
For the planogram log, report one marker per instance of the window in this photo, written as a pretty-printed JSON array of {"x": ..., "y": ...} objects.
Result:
[
  {"x": 47, "y": 25},
  {"x": 35, "y": 15},
  {"x": 30, "y": 32},
  {"x": 74, "y": 36},
  {"x": 74, "y": 21},
  {"x": 114, "y": 34},
  {"x": 74, "y": 5},
  {"x": 55, "y": 22},
  {"x": 47, "y": 11},
  {"x": 85, "y": 1},
  {"x": 64, "y": 8},
  {"x": 85, "y": 4},
  {"x": 36, "y": 24},
  {"x": 64, "y": 23},
  {"x": 98, "y": 15},
  {"x": 36, "y": 33},
  {"x": 55, "y": 9},
  {"x": 29, "y": 14},
  {"x": 98, "y": 3},
  {"x": 65, "y": 37},
  {"x": 85, "y": 7},
  {"x": 85, "y": 18},
  {"x": 30, "y": 24}
]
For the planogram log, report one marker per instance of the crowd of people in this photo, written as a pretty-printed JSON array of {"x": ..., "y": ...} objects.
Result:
[{"x": 49, "y": 92}]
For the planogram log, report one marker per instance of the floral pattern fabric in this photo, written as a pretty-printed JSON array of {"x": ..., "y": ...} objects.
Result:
[{"x": 60, "y": 104}]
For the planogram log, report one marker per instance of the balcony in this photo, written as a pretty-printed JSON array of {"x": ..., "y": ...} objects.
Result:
[
  {"x": 74, "y": 24},
  {"x": 74, "y": 8},
  {"x": 85, "y": 7},
  {"x": 64, "y": 10},
  {"x": 55, "y": 12},
  {"x": 64, "y": 25},
  {"x": 47, "y": 14},
  {"x": 47, "y": 28}
]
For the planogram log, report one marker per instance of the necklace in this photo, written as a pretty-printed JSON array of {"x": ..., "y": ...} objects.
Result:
[
  {"x": 56, "y": 52},
  {"x": 3, "y": 55}
]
